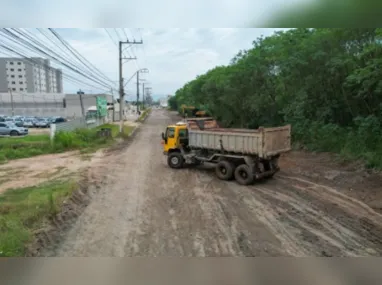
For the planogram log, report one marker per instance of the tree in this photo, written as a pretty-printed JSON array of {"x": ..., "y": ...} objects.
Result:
[{"x": 327, "y": 83}]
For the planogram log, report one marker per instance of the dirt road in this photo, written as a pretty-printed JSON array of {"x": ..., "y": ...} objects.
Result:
[{"x": 141, "y": 207}]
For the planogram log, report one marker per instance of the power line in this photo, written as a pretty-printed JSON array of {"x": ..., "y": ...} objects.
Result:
[
  {"x": 46, "y": 35},
  {"x": 127, "y": 38},
  {"x": 110, "y": 37},
  {"x": 128, "y": 52},
  {"x": 28, "y": 44},
  {"x": 34, "y": 48},
  {"x": 87, "y": 64},
  {"x": 32, "y": 38},
  {"x": 30, "y": 60}
]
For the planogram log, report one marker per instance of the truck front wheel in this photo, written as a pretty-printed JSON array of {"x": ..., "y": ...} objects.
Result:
[
  {"x": 175, "y": 160},
  {"x": 244, "y": 175},
  {"x": 224, "y": 170}
]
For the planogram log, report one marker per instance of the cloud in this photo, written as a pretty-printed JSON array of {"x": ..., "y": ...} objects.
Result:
[
  {"x": 144, "y": 13},
  {"x": 173, "y": 56}
]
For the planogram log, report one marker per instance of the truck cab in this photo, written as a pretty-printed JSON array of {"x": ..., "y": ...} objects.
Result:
[{"x": 174, "y": 136}]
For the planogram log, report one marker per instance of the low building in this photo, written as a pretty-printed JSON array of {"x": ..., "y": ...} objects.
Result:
[
  {"x": 73, "y": 103},
  {"x": 32, "y": 104}
]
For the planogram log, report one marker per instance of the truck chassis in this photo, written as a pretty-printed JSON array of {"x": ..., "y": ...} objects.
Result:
[{"x": 245, "y": 169}]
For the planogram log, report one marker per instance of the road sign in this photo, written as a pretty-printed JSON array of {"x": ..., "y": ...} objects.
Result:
[{"x": 101, "y": 106}]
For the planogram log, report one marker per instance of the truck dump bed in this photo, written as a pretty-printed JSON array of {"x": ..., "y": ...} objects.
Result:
[{"x": 263, "y": 142}]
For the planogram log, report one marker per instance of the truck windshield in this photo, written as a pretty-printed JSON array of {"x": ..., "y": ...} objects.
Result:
[{"x": 170, "y": 132}]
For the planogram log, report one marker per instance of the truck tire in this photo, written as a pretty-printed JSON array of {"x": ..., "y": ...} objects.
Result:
[
  {"x": 244, "y": 175},
  {"x": 175, "y": 160},
  {"x": 224, "y": 170}
]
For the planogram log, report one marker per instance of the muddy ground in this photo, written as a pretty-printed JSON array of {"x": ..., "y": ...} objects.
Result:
[
  {"x": 32, "y": 171},
  {"x": 138, "y": 206},
  {"x": 27, "y": 172}
]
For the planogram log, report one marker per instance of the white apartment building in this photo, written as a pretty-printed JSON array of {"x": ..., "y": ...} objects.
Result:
[{"x": 33, "y": 75}]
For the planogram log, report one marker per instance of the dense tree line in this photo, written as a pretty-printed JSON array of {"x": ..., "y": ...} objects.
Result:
[{"x": 327, "y": 83}]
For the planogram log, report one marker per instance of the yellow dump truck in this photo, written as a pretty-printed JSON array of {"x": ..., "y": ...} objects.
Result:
[{"x": 244, "y": 154}]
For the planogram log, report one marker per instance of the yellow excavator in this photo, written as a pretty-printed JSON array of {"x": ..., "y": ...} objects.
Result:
[{"x": 191, "y": 111}]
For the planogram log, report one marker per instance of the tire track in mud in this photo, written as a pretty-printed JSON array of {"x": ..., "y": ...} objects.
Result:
[
  {"x": 320, "y": 223},
  {"x": 238, "y": 231},
  {"x": 144, "y": 208},
  {"x": 263, "y": 210}
]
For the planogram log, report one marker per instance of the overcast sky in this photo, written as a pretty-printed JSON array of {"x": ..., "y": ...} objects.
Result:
[{"x": 173, "y": 56}]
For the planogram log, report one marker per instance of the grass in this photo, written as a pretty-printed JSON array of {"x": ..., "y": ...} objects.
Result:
[
  {"x": 24, "y": 211},
  {"x": 85, "y": 140},
  {"x": 144, "y": 114}
]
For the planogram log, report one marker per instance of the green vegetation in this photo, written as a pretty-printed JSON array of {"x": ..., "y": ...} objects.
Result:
[
  {"x": 20, "y": 147},
  {"x": 25, "y": 210},
  {"x": 327, "y": 83},
  {"x": 143, "y": 115},
  {"x": 85, "y": 140}
]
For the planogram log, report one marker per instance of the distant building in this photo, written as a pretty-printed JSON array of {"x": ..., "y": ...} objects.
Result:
[
  {"x": 164, "y": 101},
  {"x": 34, "y": 75}
]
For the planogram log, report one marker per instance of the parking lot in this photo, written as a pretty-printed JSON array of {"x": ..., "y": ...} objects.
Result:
[{"x": 21, "y": 125}]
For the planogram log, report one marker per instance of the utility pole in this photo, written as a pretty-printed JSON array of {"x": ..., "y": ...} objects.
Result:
[
  {"x": 148, "y": 91},
  {"x": 13, "y": 109},
  {"x": 143, "y": 95},
  {"x": 121, "y": 91},
  {"x": 80, "y": 93},
  {"x": 137, "y": 91}
]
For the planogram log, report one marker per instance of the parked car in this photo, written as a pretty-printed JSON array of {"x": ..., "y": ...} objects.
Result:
[
  {"x": 43, "y": 123},
  {"x": 35, "y": 120},
  {"x": 16, "y": 120},
  {"x": 9, "y": 128},
  {"x": 57, "y": 120},
  {"x": 28, "y": 123}
]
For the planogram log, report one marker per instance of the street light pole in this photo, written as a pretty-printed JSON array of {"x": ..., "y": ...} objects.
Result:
[
  {"x": 121, "y": 85},
  {"x": 13, "y": 109},
  {"x": 138, "y": 92}
]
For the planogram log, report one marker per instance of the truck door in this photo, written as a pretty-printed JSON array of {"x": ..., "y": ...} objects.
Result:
[
  {"x": 170, "y": 138},
  {"x": 183, "y": 136}
]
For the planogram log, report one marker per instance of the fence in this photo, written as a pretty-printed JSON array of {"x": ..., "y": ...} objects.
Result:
[{"x": 79, "y": 123}]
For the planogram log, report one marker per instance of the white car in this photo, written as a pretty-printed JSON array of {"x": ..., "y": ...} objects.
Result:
[
  {"x": 28, "y": 123},
  {"x": 43, "y": 123},
  {"x": 10, "y": 129}
]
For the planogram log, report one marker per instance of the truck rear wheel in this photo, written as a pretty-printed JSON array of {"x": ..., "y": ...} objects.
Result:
[
  {"x": 224, "y": 170},
  {"x": 244, "y": 175},
  {"x": 175, "y": 160}
]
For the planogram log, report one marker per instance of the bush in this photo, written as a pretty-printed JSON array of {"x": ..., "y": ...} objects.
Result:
[
  {"x": 84, "y": 139},
  {"x": 361, "y": 141},
  {"x": 80, "y": 138}
]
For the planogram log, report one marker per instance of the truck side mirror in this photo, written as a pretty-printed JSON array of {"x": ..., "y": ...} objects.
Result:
[{"x": 163, "y": 137}]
